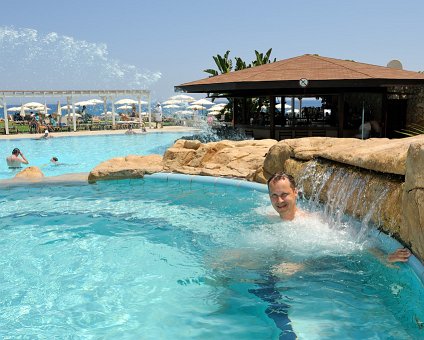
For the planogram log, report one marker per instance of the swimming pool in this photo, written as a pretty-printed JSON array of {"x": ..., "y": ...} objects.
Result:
[
  {"x": 83, "y": 153},
  {"x": 177, "y": 258}
]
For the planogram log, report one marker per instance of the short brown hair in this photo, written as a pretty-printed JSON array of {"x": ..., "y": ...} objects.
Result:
[{"x": 278, "y": 176}]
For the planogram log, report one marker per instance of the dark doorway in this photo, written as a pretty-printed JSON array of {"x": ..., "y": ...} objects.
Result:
[{"x": 396, "y": 117}]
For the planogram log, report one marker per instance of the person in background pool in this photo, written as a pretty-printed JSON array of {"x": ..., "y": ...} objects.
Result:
[
  {"x": 14, "y": 161},
  {"x": 54, "y": 160},
  {"x": 283, "y": 195},
  {"x": 130, "y": 131},
  {"x": 46, "y": 135}
]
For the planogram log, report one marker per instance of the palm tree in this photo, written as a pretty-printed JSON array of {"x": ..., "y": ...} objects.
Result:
[
  {"x": 262, "y": 59},
  {"x": 240, "y": 64},
  {"x": 224, "y": 65}
]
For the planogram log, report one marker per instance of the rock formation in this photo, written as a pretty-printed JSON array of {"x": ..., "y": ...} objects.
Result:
[
  {"x": 126, "y": 167},
  {"x": 30, "y": 173}
]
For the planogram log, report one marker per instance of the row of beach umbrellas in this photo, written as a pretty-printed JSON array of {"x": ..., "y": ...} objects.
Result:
[
  {"x": 188, "y": 105},
  {"x": 126, "y": 104}
]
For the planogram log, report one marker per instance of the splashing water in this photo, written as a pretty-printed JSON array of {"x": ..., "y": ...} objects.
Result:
[
  {"x": 344, "y": 193},
  {"x": 30, "y": 60}
]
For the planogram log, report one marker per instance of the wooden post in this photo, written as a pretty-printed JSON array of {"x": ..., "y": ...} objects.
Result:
[
  {"x": 272, "y": 117},
  {"x": 383, "y": 132},
  {"x": 244, "y": 112},
  {"x": 340, "y": 109}
]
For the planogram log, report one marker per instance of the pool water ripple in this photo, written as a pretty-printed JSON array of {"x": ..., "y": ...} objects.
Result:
[{"x": 124, "y": 258}]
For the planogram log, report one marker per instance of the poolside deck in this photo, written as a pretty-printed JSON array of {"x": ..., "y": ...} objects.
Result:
[{"x": 98, "y": 132}]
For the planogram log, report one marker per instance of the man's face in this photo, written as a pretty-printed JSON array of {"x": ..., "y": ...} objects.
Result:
[{"x": 283, "y": 198}]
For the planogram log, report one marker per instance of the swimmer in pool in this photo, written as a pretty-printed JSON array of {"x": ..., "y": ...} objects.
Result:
[
  {"x": 14, "y": 161},
  {"x": 283, "y": 195}
]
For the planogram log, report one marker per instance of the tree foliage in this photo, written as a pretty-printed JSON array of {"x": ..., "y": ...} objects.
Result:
[{"x": 225, "y": 65}]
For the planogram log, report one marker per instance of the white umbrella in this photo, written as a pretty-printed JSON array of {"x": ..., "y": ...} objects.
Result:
[
  {"x": 183, "y": 98},
  {"x": 184, "y": 112},
  {"x": 15, "y": 108},
  {"x": 196, "y": 107},
  {"x": 85, "y": 103},
  {"x": 171, "y": 106},
  {"x": 202, "y": 102},
  {"x": 171, "y": 102},
  {"x": 65, "y": 107},
  {"x": 216, "y": 108},
  {"x": 33, "y": 104},
  {"x": 95, "y": 101},
  {"x": 126, "y": 101},
  {"x": 41, "y": 108},
  {"x": 124, "y": 107}
]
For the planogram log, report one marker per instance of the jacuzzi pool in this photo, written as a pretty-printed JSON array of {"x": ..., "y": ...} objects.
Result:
[{"x": 174, "y": 257}]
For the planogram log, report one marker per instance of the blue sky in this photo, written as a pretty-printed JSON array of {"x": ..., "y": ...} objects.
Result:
[{"x": 174, "y": 41}]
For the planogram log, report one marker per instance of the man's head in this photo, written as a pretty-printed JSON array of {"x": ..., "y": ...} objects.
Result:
[
  {"x": 54, "y": 160},
  {"x": 16, "y": 151},
  {"x": 283, "y": 194}
]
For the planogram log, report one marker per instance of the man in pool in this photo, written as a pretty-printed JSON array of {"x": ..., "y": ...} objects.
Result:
[
  {"x": 14, "y": 161},
  {"x": 283, "y": 195}
]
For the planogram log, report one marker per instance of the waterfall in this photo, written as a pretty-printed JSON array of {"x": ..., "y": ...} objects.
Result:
[{"x": 345, "y": 193}]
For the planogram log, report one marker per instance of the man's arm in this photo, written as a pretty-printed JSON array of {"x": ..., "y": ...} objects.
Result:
[
  {"x": 400, "y": 255},
  {"x": 23, "y": 160}
]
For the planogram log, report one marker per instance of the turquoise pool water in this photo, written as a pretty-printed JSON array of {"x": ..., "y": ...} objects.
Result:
[
  {"x": 171, "y": 259},
  {"x": 81, "y": 154}
]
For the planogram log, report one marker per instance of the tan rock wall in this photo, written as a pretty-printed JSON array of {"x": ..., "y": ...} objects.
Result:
[
  {"x": 126, "y": 167},
  {"x": 239, "y": 159},
  {"x": 412, "y": 230}
]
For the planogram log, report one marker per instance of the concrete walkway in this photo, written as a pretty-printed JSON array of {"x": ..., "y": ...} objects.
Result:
[{"x": 100, "y": 132}]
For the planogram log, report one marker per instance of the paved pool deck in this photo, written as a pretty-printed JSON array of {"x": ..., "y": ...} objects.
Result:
[{"x": 99, "y": 132}]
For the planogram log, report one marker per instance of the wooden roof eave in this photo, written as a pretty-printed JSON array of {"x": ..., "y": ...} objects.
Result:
[{"x": 291, "y": 84}]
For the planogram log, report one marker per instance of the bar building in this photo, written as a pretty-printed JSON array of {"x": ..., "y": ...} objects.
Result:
[{"x": 263, "y": 98}]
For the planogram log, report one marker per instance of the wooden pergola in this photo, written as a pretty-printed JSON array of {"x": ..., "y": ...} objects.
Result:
[{"x": 348, "y": 90}]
